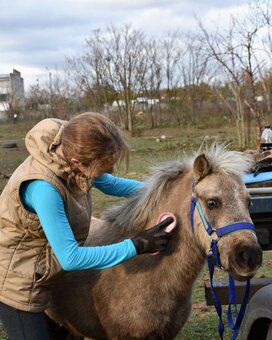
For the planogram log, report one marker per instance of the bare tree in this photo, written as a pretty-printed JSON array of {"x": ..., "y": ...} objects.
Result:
[
  {"x": 265, "y": 11},
  {"x": 153, "y": 80},
  {"x": 172, "y": 53},
  {"x": 54, "y": 97},
  {"x": 126, "y": 66},
  {"x": 113, "y": 63},
  {"x": 87, "y": 71},
  {"x": 233, "y": 54},
  {"x": 194, "y": 69}
]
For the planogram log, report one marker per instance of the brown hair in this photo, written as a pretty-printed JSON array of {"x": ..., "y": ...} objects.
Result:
[{"x": 92, "y": 139}]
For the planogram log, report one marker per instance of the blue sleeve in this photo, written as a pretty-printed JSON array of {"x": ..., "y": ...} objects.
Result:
[
  {"x": 117, "y": 186},
  {"x": 42, "y": 198}
]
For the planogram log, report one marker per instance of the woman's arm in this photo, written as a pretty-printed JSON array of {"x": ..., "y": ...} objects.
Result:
[
  {"x": 42, "y": 198},
  {"x": 117, "y": 186}
]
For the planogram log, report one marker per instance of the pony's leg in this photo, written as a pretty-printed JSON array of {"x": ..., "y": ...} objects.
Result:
[{"x": 55, "y": 331}]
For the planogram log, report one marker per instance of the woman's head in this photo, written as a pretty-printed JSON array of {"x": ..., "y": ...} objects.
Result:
[{"x": 92, "y": 143}]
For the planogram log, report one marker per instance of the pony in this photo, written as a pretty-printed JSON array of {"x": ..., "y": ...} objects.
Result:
[{"x": 149, "y": 296}]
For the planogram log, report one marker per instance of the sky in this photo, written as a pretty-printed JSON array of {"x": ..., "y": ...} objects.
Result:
[{"x": 37, "y": 35}]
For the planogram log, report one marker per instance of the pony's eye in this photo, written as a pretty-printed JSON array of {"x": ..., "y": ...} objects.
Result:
[{"x": 211, "y": 204}]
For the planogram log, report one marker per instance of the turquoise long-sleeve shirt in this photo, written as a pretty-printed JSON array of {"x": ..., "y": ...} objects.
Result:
[{"x": 42, "y": 198}]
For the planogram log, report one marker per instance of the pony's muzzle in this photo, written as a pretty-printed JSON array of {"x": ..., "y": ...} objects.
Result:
[{"x": 247, "y": 260}]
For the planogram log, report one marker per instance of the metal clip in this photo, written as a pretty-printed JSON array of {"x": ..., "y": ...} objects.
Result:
[{"x": 209, "y": 252}]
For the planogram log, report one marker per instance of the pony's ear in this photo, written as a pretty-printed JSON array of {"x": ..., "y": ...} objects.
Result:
[{"x": 202, "y": 166}]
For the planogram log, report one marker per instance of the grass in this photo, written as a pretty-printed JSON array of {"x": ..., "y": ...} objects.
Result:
[{"x": 146, "y": 152}]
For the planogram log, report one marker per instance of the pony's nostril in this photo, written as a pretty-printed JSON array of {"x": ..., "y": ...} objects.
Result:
[
  {"x": 242, "y": 257},
  {"x": 250, "y": 257}
]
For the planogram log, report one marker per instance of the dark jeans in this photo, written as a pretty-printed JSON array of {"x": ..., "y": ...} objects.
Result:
[{"x": 20, "y": 325}]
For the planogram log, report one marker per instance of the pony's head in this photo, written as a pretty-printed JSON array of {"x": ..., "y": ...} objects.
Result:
[{"x": 223, "y": 200}]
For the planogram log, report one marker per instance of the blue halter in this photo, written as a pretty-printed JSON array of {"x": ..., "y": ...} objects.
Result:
[{"x": 213, "y": 259}]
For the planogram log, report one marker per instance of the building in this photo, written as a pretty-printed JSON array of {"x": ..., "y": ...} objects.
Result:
[{"x": 12, "y": 90}]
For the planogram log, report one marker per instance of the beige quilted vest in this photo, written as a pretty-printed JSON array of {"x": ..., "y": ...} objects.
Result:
[{"x": 27, "y": 262}]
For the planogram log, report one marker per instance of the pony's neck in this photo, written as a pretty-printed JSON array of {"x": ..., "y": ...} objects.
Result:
[
  {"x": 191, "y": 253},
  {"x": 187, "y": 256}
]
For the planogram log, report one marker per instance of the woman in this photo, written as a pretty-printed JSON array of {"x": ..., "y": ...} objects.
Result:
[{"x": 45, "y": 214}]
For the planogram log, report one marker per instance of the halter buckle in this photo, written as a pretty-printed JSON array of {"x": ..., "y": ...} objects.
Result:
[{"x": 209, "y": 252}]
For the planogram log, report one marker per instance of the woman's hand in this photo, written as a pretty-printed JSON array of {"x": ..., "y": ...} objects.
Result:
[{"x": 153, "y": 240}]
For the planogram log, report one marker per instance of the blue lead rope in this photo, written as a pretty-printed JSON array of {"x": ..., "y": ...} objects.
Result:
[
  {"x": 215, "y": 299},
  {"x": 234, "y": 326},
  {"x": 232, "y": 301}
]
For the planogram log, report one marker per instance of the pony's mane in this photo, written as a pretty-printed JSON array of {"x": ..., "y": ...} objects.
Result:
[{"x": 133, "y": 213}]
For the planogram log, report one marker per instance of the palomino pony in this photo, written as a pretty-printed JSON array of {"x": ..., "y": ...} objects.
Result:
[{"x": 149, "y": 297}]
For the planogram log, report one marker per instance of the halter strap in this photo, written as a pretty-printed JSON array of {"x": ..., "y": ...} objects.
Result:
[
  {"x": 230, "y": 228},
  {"x": 195, "y": 204}
]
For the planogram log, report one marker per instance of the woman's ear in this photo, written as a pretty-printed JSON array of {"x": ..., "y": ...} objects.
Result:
[{"x": 75, "y": 162}]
